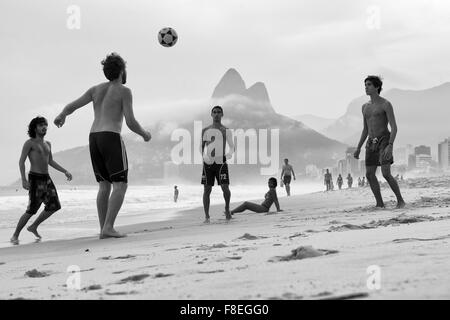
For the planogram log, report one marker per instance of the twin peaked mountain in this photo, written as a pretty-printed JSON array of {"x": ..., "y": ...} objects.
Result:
[{"x": 243, "y": 109}]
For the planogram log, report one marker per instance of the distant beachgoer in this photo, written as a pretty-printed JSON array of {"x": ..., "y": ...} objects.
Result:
[
  {"x": 363, "y": 182},
  {"x": 340, "y": 181},
  {"x": 112, "y": 102},
  {"x": 377, "y": 114},
  {"x": 349, "y": 181},
  {"x": 359, "y": 181},
  {"x": 175, "y": 194},
  {"x": 328, "y": 180},
  {"x": 39, "y": 184},
  {"x": 401, "y": 178},
  {"x": 215, "y": 165},
  {"x": 269, "y": 199},
  {"x": 397, "y": 177},
  {"x": 286, "y": 174}
]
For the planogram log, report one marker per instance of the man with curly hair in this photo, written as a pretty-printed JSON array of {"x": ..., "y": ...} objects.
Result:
[
  {"x": 39, "y": 184},
  {"x": 112, "y": 102}
]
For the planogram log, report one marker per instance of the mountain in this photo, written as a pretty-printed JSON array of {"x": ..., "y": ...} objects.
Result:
[
  {"x": 244, "y": 108},
  {"x": 314, "y": 122},
  {"x": 421, "y": 116}
]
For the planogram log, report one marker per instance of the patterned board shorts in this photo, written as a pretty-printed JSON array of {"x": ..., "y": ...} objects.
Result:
[{"x": 42, "y": 190}]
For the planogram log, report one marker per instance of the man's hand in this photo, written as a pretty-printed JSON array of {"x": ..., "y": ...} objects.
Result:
[
  {"x": 68, "y": 175},
  {"x": 59, "y": 120},
  {"x": 147, "y": 136},
  {"x": 281, "y": 210},
  {"x": 387, "y": 152},
  {"x": 295, "y": 179},
  {"x": 25, "y": 184},
  {"x": 356, "y": 154}
]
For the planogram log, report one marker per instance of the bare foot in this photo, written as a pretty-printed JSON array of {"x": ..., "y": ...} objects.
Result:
[
  {"x": 33, "y": 230},
  {"x": 206, "y": 220},
  {"x": 111, "y": 234},
  {"x": 227, "y": 215},
  {"x": 14, "y": 240},
  {"x": 401, "y": 204}
]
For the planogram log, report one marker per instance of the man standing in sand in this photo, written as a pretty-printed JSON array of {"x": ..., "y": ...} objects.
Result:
[
  {"x": 39, "y": 184},
  {"x": 175, "y": 194},
  {"x": 112, "y": 102},
  {"x": 377, "y": 114},
  {"x": 214, "y": 140},
  {"x": 286, "y": 174},
  {"x": 327, "y": 180}
]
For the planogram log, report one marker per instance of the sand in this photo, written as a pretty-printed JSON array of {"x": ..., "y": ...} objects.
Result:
[{"x": 322, "y": 246}]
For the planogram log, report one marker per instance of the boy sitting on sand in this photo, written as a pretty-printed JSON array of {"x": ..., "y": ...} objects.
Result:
[
  {"x": 270, "y": 197},
  {"x": 39, "y": 185}
]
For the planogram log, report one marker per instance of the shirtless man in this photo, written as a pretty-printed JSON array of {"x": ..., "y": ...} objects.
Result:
[
  {"x": 215, "y": 167},
  {"x": 39, "y": 184},
  {"x": 286, "y": 174},
  {"x": 112, "y": 102},
  {"x": 328, "y": 179},
  {"x": 377, "y": 114}
]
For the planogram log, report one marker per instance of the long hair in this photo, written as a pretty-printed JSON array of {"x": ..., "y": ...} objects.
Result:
[{"x": 33, "y": 125}]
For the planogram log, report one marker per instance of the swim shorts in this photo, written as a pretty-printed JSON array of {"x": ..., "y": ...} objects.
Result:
[
  {"x": 375, "y": 149},
  {"x": 108, "y": 156},
  {"x": 42, "y": 190},
  {"x": 215, "y": 171},
  {"x": 287, "y": 179}
]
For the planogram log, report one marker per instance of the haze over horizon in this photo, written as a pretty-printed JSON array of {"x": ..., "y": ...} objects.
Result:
[{"x": 311, "y": 56}]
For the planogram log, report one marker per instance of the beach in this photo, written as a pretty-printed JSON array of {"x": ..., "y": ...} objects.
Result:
[{"x": 324, "y": 245}]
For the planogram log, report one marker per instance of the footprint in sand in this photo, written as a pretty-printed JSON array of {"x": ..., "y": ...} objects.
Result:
[
  {"x": 358, "y": 295},
  {"x": 419, "y": 239},
  {"x": 93, "y": 287},
  {"x": 117, "y": 258},
  {"x": 162, "y": 275},
  {"x": 135, "y": 278},
  {"x": 248, "y": 236},
  {"x": 36, "y": 274},
  {"x": 226, "y": 259},
  {"x": 287, "y": 296},
  {"x": 303, "y": 253},
  {"x": 214, "y": 246},
  {"x": 120, "y": 293},
  {"x": 212, "y": 271}
]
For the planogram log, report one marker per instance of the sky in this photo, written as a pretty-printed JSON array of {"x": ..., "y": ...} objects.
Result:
[{"x": 312, "y": 55}]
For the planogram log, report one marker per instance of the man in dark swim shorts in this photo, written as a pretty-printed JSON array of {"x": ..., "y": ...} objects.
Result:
[
  {"x": 39, "y": 184},
  {"x": 112, "y": 103},
  {"x": 377, "y": 114},
  {"x": 214, "y": 140}
]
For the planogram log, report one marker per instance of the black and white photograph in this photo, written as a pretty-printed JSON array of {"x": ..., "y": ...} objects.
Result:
[{"x": 234, "y": 151}]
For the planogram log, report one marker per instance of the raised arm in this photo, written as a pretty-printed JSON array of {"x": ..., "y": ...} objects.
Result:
[
  {"x": 74, "y": 105},
  {"x": 23, "y": 156},
  {"x": 52, "y": 163},
  {"x": 128, "y": 113}
]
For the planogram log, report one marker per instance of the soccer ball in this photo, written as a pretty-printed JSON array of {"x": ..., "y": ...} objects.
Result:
[{"x": 167, "y": 37}]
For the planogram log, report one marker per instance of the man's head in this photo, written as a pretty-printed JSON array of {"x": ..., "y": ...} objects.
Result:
[
  {"x": 286, "y": 161},
  {"x": 328, "y": 171},
  {"x": 37, "y": 127},
  {"x": 114, "y": 67},
  {"x": 217, "y": 113},
  {"x": 373, "y": 84}
]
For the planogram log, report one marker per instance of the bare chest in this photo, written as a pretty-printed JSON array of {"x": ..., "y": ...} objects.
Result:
[{"x": 41, "y": 150}]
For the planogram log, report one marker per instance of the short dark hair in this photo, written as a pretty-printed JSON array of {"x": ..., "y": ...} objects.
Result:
[
  {"x": 217, "y": 107},
  {"x": 286, "y": 159},
  {"x": 273, "y": 181},
  {"x": 376, "y": 81},
  {"x": 113, "y": 65},
  {"x": 33, "y": 125}
]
